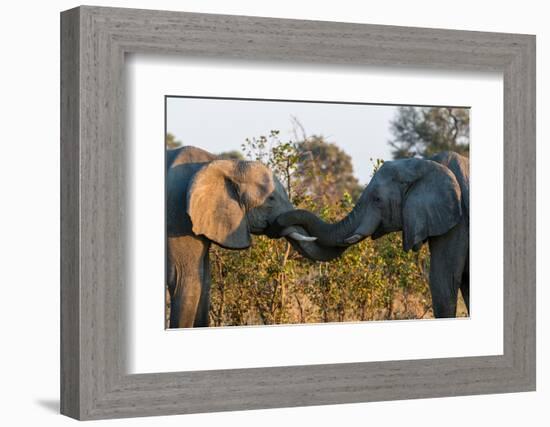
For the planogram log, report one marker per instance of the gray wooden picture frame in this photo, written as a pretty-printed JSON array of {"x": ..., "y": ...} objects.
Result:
[{"x": 94, "y": 41}]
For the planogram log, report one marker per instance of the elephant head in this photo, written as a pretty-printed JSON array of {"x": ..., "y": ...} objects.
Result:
[
  {"x": 228, "y": 200},
  {"x": 222, "y": 201},
  {"x": 418, "y": 196}
]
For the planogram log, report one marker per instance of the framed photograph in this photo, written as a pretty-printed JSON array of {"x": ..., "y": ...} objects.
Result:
[{"x": 261, "y": 213}]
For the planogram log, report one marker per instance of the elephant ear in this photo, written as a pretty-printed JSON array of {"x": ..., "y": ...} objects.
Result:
[
  {"x": 219, "y": 197},
  {"x": 432, "y": 201}
]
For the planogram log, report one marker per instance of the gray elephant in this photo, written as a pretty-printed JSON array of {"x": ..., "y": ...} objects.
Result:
[
  {"x": 428, "y": 200},
  {"x": 209, "y": 200}
]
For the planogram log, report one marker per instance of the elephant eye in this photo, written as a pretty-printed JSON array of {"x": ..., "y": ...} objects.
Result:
[{"x": 376, "y": 199}]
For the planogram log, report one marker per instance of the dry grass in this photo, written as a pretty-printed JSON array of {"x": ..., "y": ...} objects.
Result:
[{"x": 302, "y": 311}]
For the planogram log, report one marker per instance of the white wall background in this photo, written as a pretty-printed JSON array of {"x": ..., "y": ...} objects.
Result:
[{"x": 29, "y": 212}]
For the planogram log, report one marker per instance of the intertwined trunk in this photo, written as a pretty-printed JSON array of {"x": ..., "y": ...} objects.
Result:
[
  {"x": 328, "y": 234},
  {"x": 315, "y": 251}
]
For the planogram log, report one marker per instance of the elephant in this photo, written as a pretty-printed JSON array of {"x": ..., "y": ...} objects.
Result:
[
  {"x": 426, "y": 199},
  {"x": 211, "y": 200}
]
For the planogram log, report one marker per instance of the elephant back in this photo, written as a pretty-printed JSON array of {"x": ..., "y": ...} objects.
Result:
[
  {"x": 187, "y": 154},
  {"x": 460, "y": 167}
]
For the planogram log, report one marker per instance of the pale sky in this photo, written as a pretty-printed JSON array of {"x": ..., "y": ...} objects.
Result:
[{"x": 217, "y": 125}]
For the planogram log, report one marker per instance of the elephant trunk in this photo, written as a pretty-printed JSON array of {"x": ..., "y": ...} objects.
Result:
[
  {"x": 327, "y": 234},
  {"x": 369, "y": 225},
  {"x": 303, "y": 243},
  {"x": 316, "y": 252}
]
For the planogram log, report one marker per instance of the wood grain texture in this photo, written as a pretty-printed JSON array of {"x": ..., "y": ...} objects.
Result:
[
  {"x": 94, "y": 382},
  {"x": 70, "y": 292}
]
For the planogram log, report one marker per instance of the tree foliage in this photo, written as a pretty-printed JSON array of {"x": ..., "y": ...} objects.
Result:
[
  {"x": 171, "y": 141},
  {"x": 425, "y": 131},
  {"x": 325, "y": 171}
]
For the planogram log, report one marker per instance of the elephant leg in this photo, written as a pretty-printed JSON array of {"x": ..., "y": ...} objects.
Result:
[
  {"x": 448, "y": 254},
  {"x": 203, "y": 312},
  {"x": 465, "y": 285},
  {"x": 187, "y": 255},
  {"x": 170, "y": 288}
]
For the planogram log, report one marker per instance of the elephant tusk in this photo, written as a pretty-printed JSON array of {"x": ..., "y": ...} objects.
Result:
[
  {"x": 301, "y": 238},
  {"x": 353, "y": 239}
]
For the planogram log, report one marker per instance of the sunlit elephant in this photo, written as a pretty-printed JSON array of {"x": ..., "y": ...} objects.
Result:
[
  {"x": 222, "y": 202},
  {"x": 428, "y": 199}
]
